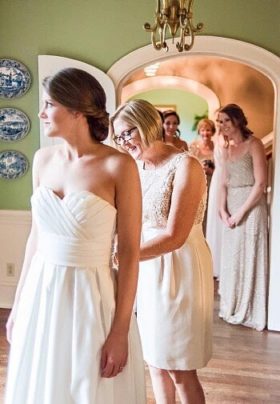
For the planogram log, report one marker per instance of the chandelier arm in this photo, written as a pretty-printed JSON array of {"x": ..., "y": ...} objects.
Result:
[
  {"x": 178, "y": 15},
  {"x": 191, "y": 37}
]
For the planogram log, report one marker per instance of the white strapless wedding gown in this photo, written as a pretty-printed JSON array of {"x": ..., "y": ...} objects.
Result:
[{"x": 66, "y": 310}]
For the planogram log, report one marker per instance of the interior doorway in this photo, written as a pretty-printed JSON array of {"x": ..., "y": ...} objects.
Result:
[{"x": 260, "y": 60}]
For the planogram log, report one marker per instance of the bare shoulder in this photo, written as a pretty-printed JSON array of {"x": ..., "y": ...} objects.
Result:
[
  {"x": 117, "y": 161},
  {"x": 181, "y": 144},
  {"x": 256, "y": 145},
  {"x": 190, "y": 166},
  {"x": 46, "y": 153}
]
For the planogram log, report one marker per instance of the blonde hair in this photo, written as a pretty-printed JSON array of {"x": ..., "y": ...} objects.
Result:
[
  {"x": 206, "y": 122},
  {"x": 144, "y": 116}
]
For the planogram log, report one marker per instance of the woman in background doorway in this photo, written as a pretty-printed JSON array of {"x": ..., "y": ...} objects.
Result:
[
  {"x": 203, "y": 149},
  {"x": 171, "y": 134},
  {"x": 243, "y": 209},
  {"x": 214, "y": 224}
]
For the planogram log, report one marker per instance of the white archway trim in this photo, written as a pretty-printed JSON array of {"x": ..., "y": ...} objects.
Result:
[
  {"x": 232, "y": 49},
  {"x": 268, "y": 139},
  {"x": 268, "y": 64},
  {"x": 172, "y": 82}
]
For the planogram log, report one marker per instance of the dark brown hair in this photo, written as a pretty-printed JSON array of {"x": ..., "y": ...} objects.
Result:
[
  {"x": 237, "y": 117},
  {"x": 171, "y": 112},
  {"x": 80, "y": 91}
]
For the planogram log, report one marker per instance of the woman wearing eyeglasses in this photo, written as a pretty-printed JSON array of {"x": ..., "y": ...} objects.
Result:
[{"x": 175, "y": 287}]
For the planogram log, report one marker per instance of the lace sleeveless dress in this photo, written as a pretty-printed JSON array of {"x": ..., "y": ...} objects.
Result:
[
  {"x": 66, "y": 309},
  {"x": 244, "y": 261},
  {"x": 175, "y": 290}
]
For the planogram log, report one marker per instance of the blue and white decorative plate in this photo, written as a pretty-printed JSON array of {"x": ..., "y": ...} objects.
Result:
[
  {"x": 13, "y": 164},
  {"x": 14, "y": 124},
  {"x": 15, "y": 79}
]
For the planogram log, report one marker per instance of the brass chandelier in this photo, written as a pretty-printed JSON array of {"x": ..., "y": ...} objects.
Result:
[{"x": 175, "y": 15}]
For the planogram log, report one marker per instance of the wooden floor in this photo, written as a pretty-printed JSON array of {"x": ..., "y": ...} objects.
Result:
[{"x": 245, "y": 367}]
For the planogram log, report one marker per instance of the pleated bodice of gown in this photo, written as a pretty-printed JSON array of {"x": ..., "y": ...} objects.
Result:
[
  {"x": 66, "y": 309},
  {"x": 175, "y": 290},
  {"x": 244, "y": 263}
]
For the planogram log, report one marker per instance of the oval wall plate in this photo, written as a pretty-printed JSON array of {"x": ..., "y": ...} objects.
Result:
[
  {"x": 14, "y": 125},
  {"x": 15, "y": 78},
  {"x": 13, "y": 164}
]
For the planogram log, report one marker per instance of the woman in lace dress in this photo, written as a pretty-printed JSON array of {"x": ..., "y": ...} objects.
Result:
[
  {"x": 175, "y": 287},
  {"x": 73, "y": 337},
  {"x": 244, "y": 261}
]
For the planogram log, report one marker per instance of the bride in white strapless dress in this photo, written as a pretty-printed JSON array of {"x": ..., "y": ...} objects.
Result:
[{"x": 73, "y": 338}]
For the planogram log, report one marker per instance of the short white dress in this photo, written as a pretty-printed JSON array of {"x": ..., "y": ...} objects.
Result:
[{"x": 175, "y": 290}]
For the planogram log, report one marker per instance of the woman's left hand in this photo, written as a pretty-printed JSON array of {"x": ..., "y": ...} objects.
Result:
[
  {"x": 114, "y": 354},
  {"x": 234, "y": 220}
]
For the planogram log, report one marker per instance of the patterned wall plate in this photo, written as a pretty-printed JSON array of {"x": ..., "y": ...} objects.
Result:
[
  {"x": 15, "y": 79},
  {"x": 13, "y": 164},
  {"x": 14, "y": 124}
]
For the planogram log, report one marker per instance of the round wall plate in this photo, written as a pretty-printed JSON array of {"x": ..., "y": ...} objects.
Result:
[
  {"x": 15, "y": 78},
  {"x": 13, "y": 164},
  {"x": 14, "y": 125}
]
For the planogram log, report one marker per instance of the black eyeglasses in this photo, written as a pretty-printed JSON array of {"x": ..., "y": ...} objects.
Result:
[{"x": 124, "y": 137}]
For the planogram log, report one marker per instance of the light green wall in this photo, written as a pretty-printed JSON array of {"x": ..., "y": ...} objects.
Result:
[
  {"x": 99, "y": 33},
  {"x": 187, "y": 106}
]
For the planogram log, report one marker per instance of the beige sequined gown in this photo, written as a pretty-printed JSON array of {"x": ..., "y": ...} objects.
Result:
[
  {"x": 175, "y": 292},
  {"x": 244, "y": 261}
]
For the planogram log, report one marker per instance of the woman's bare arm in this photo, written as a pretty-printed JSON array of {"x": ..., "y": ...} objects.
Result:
[
  {"x": 260, "y": 174},
  {"x": 189, "y": 186},
  {"x": 128, "y": 202}
]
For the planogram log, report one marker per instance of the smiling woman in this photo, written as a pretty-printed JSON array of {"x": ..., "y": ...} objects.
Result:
[
  {"x": 175, "y": 288},
  {"x": 243, "y": 209}
]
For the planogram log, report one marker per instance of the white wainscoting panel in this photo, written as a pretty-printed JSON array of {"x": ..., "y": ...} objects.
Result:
[{"x": 14, "y": 231}]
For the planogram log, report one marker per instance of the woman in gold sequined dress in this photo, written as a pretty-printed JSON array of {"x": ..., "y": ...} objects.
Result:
[{"x": 175, "y": 288}]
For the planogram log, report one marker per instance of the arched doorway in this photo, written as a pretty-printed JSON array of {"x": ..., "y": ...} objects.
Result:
[{"x": 259, "y": 59}]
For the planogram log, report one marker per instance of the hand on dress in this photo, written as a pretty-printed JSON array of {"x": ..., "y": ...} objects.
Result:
[
  {"x": 235, "y": 219},
  {"x": 225, "y": 217},
  {"x": 114, "y": 355}
]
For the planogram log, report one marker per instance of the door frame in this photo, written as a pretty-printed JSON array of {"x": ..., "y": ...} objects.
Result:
[{"x": 268, "y": 64}]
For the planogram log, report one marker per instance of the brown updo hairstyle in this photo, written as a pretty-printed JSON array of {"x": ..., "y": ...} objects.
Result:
[
  {"x": 237, "y": 117},
  {"x": 80, "y": 91},
  {"x": 206, "y": 122},
  {"x": 171, "y": 112}
]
